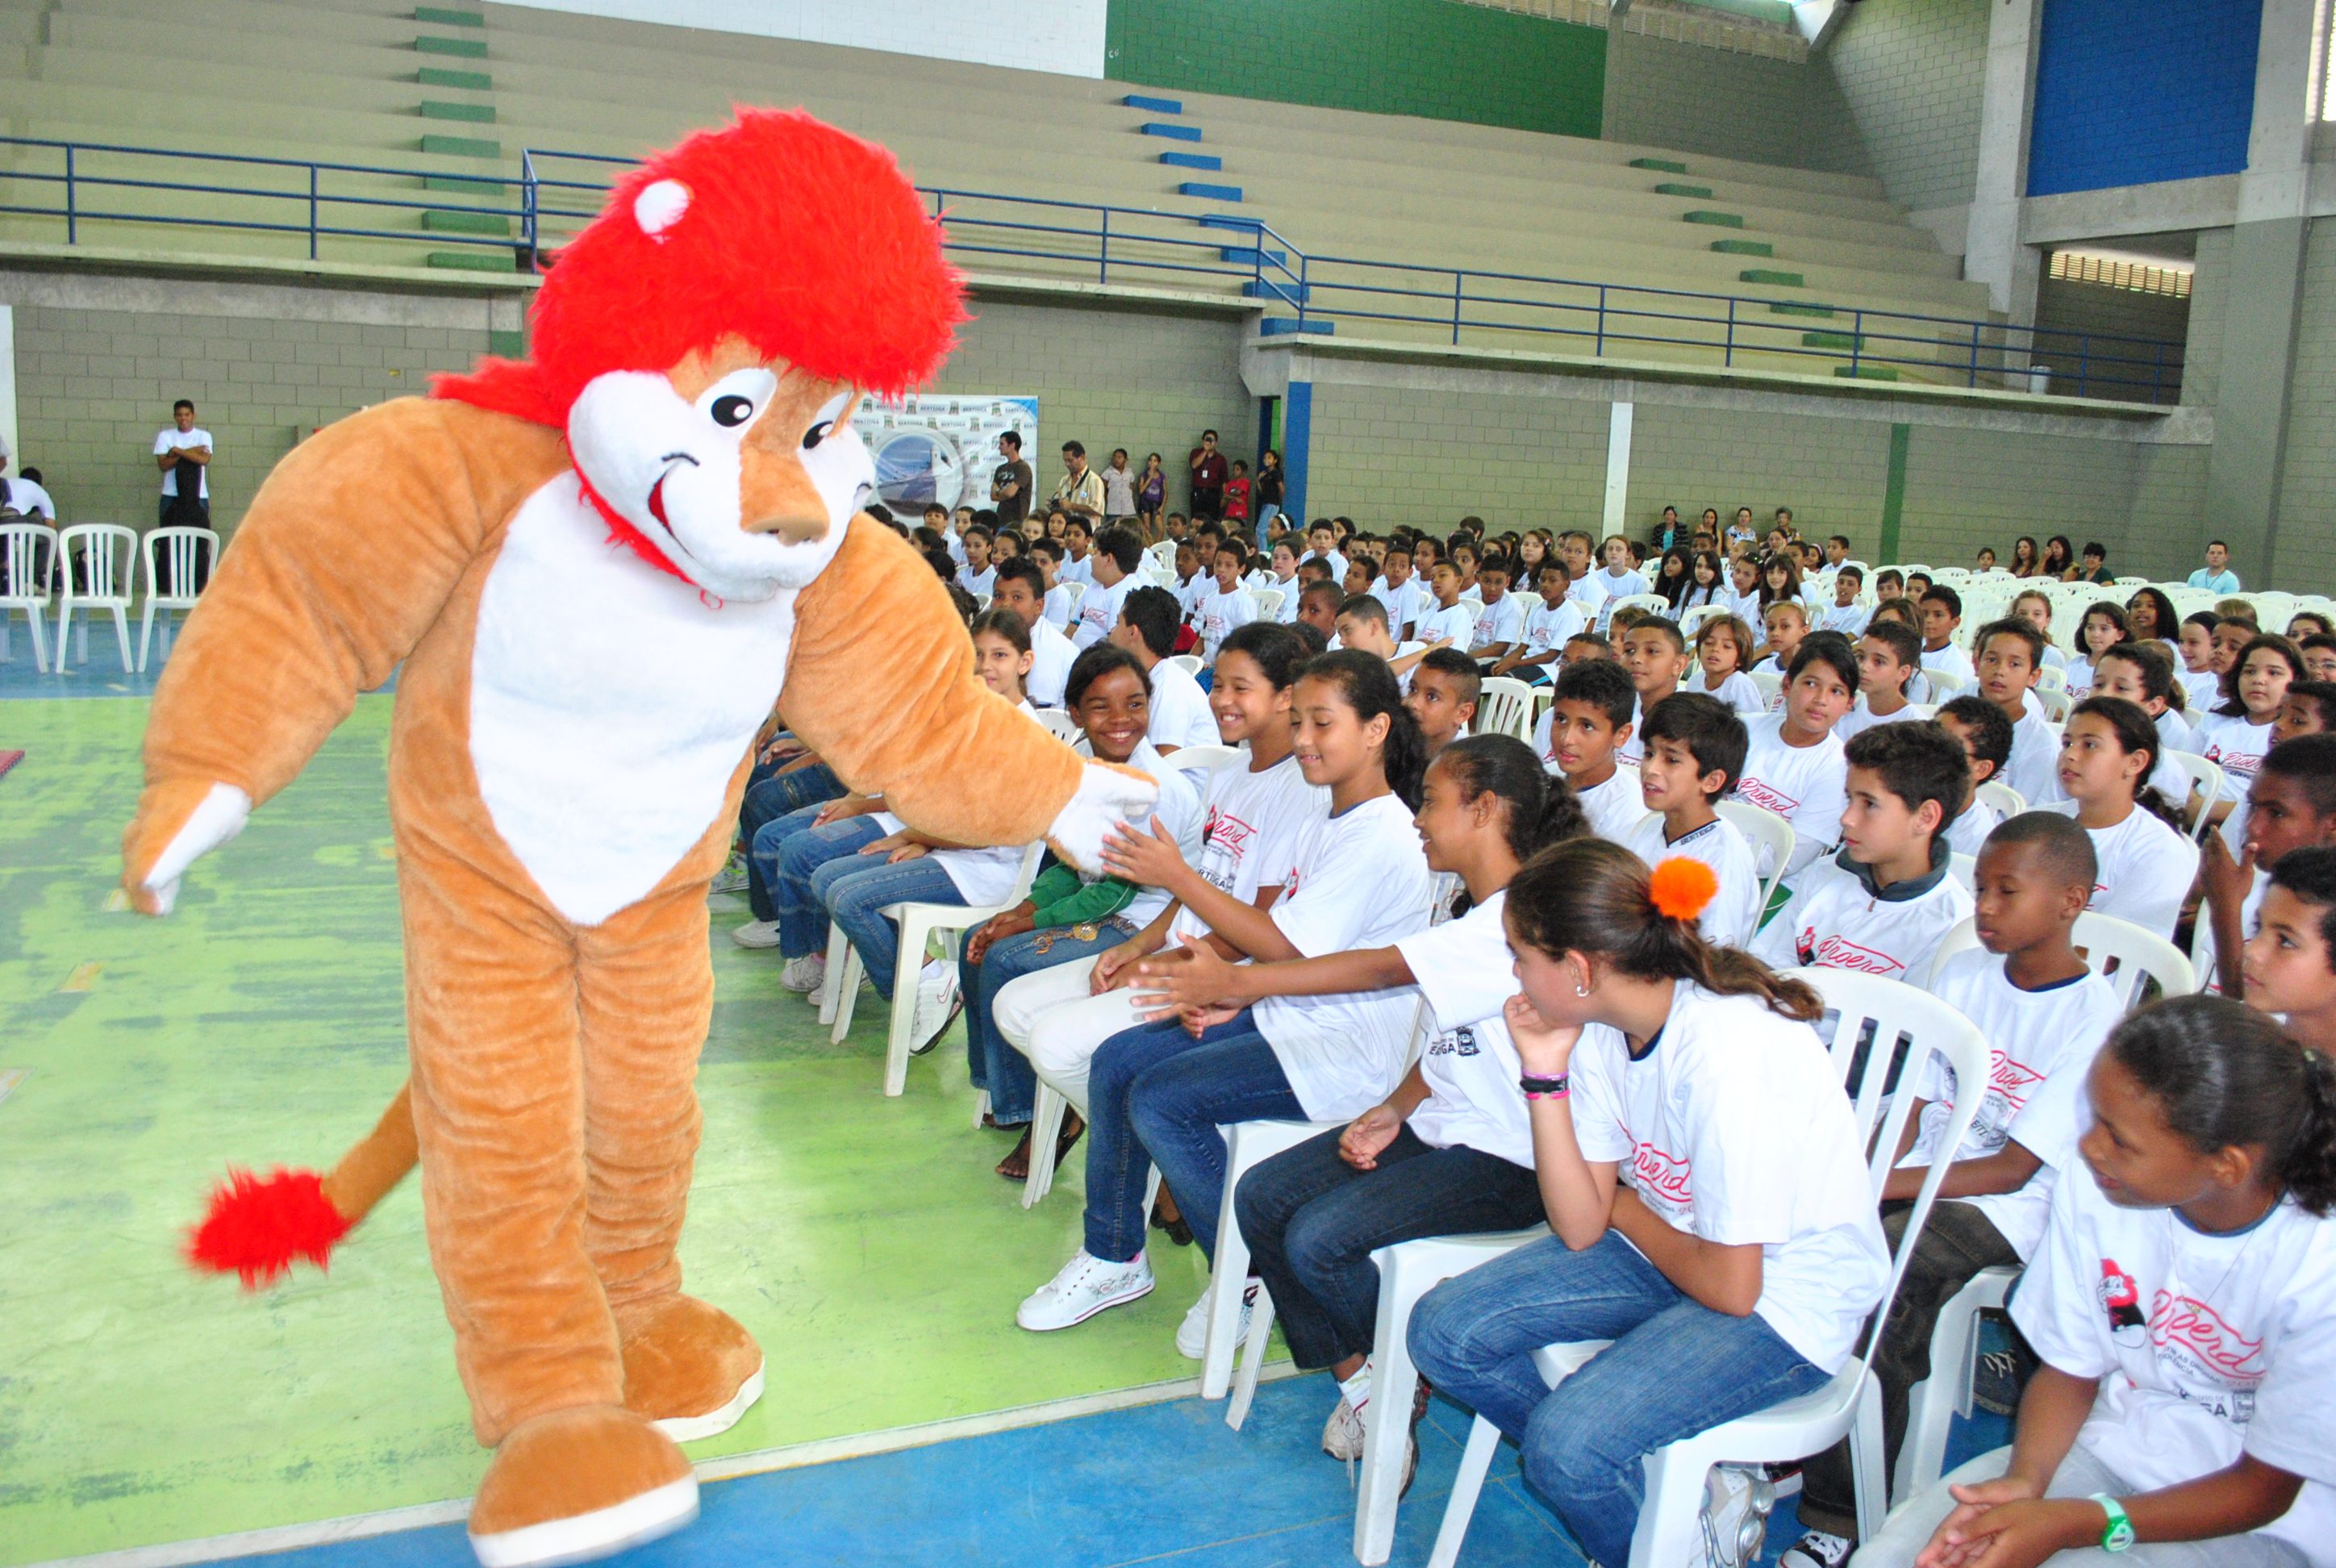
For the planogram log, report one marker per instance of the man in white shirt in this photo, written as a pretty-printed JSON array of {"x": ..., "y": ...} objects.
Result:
[
  {"x": 2216, "y": 574},
  {"x": 1080, "y": 489},
  {"x": 24, "y": 495},
  {"x": 184, "y": 446}
]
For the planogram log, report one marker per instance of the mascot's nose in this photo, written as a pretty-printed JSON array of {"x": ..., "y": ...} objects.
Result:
[{"x": 776, "y": 496}]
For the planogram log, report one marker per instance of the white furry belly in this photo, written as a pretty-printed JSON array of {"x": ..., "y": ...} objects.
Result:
[{"x": 609, "y": 704}]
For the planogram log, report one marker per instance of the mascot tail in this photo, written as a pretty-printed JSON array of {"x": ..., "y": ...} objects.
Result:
[{"x": 256, "y": 1226}]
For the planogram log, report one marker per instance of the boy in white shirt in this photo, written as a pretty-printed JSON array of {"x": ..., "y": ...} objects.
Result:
[
  {"x": 1399, "y": 591},
  {"x": 1654, "y": 656},
  {"x": 1146, "y": 628},
  {"x": 1889, "y": 655},
  {"x": 2010, "y": 657},
  {"x": 1979, "y": 728},
  {"x": 1580, "y": 737},
  {"x": 1078, "y": 553},
  {"x": 1017, "y": 589},
  {"x": 1286, "y": 581},
  {"x": 1228, "y": 605},
  {"x": 1693, "y": 746},
  {"x": 976, "y": 576},
  {"x": 1447, "y": 622},
  {"x": 1846, "y": 615},
  {"x": 1942, "y": 613},
  {"x": 1442, "y": 696},
  {"x": 1322, "y": 544},
  {"x": 1500, "y": 627},
  {"x": 1114, "y": 565},
  {"x": 2044, "y": 1015},
  {"x": 1060, "y": 598},
  {"x": 1547, "y": 625},
  {"x": 1882, "y": 905},
  {"x": 1361, "y": 624}
]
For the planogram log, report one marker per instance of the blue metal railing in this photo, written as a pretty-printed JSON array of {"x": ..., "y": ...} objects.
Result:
[{"x": 559, "y": 191}]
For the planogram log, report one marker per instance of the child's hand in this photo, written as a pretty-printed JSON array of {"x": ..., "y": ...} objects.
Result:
[
  {"x": 1368, "y": 1136},
  {"x": 1150, "y": 859},
  {"x": 843, "y": 808},
  {"x": 907, "y": 852},
  {"x": 1114, "y": 968},
  {"x": 1189, "y": 976},
  {"x": 2227, "y": 880},
  {"x": 996, "y": 929},
  {"x": 1543, "y": 1046}
]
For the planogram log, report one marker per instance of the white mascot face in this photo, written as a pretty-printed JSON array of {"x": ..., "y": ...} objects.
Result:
[{"x": 742, "y": 470}]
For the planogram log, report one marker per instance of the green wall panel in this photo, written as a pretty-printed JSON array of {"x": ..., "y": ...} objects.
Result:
[{"x": 1435, "y": 58}]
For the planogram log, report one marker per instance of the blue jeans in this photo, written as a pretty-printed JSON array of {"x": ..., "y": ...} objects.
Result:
[
  {"x": 769, "y": 797},
  {"x": 785, "y": 856},
  {"x": 1265, "y": 516},
  {"x": 856, "y": 891},
  {"x": 1675, "y": 1369},
  {"x": 1312, "y": 1221},
  {"x": 993, "y": 1062},
  {"x": 1157, "y": 1095}
]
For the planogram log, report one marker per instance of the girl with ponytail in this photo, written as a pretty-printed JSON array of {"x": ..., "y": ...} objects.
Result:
[
  {"x": 1357, "y": 879},
  {"x": 2147, "y": 860},
  {"x": 1449, "y": 1148},
  {"x": 1702, "y": 1172},
  {"x": 2180, "y": 1304}
]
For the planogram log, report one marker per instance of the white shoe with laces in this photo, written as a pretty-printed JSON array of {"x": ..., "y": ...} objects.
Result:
[
  {"x": 1193, "y": 1333},
  {"x": 1817, "y": 1549},
  {"x": 1737, "y": 1502},
  {"x": 806, "y": 973},
  {"x": 732, "y": 877},
  {"x": 1342, "y": 1433},
  {"x": 756, "y": 934},
  {"x": 1086, "y": 1286},
  {"x": 937, "y": 1005}
]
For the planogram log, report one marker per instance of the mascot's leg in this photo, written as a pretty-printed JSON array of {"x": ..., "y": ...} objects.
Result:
[
  {"x": 646, "y": 992},
  {"x": 494, "y": 1022}
]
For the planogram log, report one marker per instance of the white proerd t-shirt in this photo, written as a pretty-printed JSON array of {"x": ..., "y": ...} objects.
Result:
[
  {"x": 2040, "y": 1044},
  {"x": 1733, "y": 914},
  {"x": 1464, "y": 970},
  {"x": 1547, "y": 629},
  {"x": 1861, "y": 718},
  {"x": 1733, "y": 1128},
  {"x": 1403, "y": 604},
  {"x": 1057, "y": 607},
  {"x": 1453, "y": 625},
  {"x": 1359, "y": 880},
  {"x": 1222, "y": 614},
  {"x": 1249, "y": 833},
  {"x": 1949, "y": 660},
  {"x": 2146, "y": 868},
  {"x": 1504, "y": 622},
  {"x": 1834, "y": 922},
  {"x": 2206, "y": 1346},
  {"x": 1742, "y": 697},
  {"x": 1632, "y": 749},
  {"x": 1806, "y": 786},
  {"x": 1051, "y": 658},
  {"x": 1098, "y": 611},
  {"x": 1616, "y": 807},
  {"x": 1180, "y": 714},
  {"x": 2034, "y": 768},
  {"x": 2237, "y": 745},
  {"x": 1178, "y": 810},
  {"x": 1967, "y": 832},
  {"x": 177, "y": 440}
]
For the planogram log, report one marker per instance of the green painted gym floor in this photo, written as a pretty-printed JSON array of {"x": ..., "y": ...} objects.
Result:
[{"x": 864, "y": 1240}]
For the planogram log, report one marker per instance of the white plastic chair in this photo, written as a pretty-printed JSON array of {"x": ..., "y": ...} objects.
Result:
[
  {"x": 1249, "y": 1144},
  {"x": 2055, "y": 702},
  {"x": 1058, "y": 722},
  {"x": 193, "y": 554},
  {"x": 1504, "y": 706},
  {"x": 1189, "y": 663},
  {"x": 1654, "y": 603},
  {"x": 1267, "y": 601},
  {"x": 1944, "y": 684},
  {"x": 2007, "y": 802},
  {"x": 1850, "y": 1404},
  {"x": 919, "y": 924},
  {"x": 1690, "y": 621},
  {"x": 1934, "y": 1402},
  {"x": 2120, "y": 952},
  {"x": 108, "y": 556},
  {"x": 1772, "y": 843},
  {"x": 2053, "y": 675},
  {"x": 1964, "y": 869},
  {"x": 2206, "y": 784},
  {"x": 28, "y": 562},
  {"x": 1768, "y": 684}
]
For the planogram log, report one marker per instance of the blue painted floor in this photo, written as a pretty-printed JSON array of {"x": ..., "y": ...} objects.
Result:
[{"x": 1159, "y": 1483}]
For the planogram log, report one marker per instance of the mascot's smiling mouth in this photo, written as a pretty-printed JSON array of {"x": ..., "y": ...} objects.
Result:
[{"x": 656, "y": 490}]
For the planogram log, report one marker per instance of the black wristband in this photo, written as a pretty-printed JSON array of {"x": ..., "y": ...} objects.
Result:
[{"x": 1534, "y": 1084}]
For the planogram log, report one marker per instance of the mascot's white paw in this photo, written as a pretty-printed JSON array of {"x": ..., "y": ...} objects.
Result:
[
  {"x": 218, "y": 818},
  {"x": 1106, "y": 798}
]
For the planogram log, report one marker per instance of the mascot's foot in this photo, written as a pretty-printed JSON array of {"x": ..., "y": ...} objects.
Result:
[
  {"x": 690, "y": 1367},
  {"x": 578, "y": 1485}
]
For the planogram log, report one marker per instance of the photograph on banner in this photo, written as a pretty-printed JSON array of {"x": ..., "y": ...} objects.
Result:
[{"x": 943, "y": 447}]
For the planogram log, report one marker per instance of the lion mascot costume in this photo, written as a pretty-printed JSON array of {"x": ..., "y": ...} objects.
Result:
[{"x": 598, "y": 573}]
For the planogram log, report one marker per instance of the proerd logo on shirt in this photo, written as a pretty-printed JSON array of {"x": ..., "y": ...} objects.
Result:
[
  {"x": 1761, "y": 794},
  {"x": 1838, "y": 952},
  {"x": 1227, "y": 832},
  {"x": 1669, "y": 1177},
  {"x": 2121, "y": 1299},
  {"x": 2186, "y": 1324},
  {"x": 1459, "y": 1042}
]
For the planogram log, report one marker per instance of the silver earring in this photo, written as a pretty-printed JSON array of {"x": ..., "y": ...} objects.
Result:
[{"x": 1581, "y": 990}]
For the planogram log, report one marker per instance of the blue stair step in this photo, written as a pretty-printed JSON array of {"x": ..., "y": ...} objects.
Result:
[
  {"x": 1276, "y": 288},
  {"x": 1288, "y": 325},
  {"x": 1155, "y": 106},
  {"x": 1208, "y": 192},
  {"x": 1230, "y": 220},
  {"x": 1251, "y": 256},
  {"x": 1208, "y": 160},
  {"x": 1173, "y": 133}
]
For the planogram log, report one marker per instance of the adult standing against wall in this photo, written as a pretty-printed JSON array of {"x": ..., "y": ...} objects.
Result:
[
  {"x": 1010, "y": 484},
  {"x": 183, "y": 452},
  {"x": 1080, "y": 489},
  {"x": 1209, "y": 471},
  {"x": 2216, "y": 574}
]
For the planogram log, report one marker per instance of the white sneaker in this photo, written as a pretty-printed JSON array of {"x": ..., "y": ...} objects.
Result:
[
  {"x": 756, "y": 934},
  {"x": 937, "y": 1005},
  {"x": 805, "y": 973},
  {"x": 1193, "y": 1333},
  {"x": 1086, "y": 1285},
  {"x": 732, "y": 877},
  {"x": 1342, "y": 1433},
  {"x": 1817, "y": 1550},
  {"x": 1737, "y": 1502}
]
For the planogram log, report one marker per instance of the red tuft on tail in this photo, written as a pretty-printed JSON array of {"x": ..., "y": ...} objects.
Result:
[{"x": 255, "y": 1227}]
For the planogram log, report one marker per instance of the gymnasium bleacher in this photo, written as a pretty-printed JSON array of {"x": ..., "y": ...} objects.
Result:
[{"x": 1676, "y": 258}]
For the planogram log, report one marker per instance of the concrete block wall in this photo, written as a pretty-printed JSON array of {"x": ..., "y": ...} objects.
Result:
[
  {"x": 1969, "y": 487},
  {"x": 1106, "y": 378},
  {"x": 1831, "y": 471},
  {"x": 2202, "y": 350},
  {"x": 1911, "y": 73},
  {"x": 1384, "y": 455},
  {"x": 2304, "y": 555},
  {"x": 2105, "y": 315},
  {"x": 1663, "y": 92}
]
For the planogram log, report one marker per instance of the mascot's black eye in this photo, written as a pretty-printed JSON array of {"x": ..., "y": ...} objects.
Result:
[
  {"x": 732, "y": 412},
  {"x": 817, "y": 434}
]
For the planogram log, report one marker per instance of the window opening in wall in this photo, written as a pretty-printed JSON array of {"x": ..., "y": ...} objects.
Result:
[{"x": 2078, "y": 266}]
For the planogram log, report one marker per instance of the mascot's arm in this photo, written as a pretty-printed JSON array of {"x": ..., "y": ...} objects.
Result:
[
  {"x": 881, "y": 684},
  {"x": 346, "y": 558}
]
